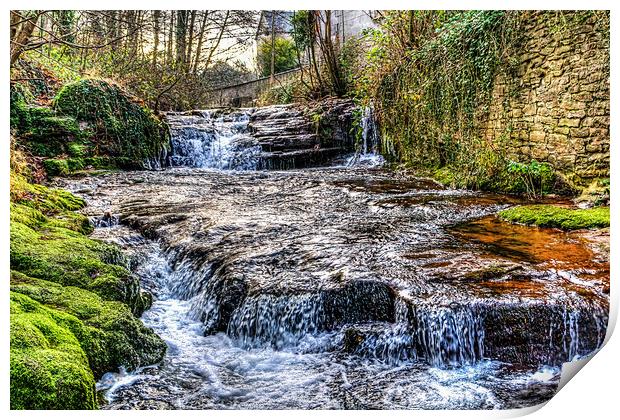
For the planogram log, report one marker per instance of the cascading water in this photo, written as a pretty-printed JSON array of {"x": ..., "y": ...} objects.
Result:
[
  {"x": 208, "y": 139},
  {"x": 368, "y": 153}
]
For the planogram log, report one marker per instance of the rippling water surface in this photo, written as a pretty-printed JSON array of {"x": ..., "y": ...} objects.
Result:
[{"x": 344, "y": 288}]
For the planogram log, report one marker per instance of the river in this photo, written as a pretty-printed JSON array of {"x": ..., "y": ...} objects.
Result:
[{"x": 338, "y": 287}]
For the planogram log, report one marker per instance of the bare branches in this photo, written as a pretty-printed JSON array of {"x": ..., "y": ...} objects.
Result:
[{"x": 171, "y": 58}]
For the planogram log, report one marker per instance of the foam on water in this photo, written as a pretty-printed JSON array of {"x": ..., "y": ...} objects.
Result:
[{"x": 222, "y": 371}]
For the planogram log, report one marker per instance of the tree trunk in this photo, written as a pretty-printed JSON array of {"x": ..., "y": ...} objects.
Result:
[
  {"x": 21, "y": 35},
  {"x": 188, "y": 57},
  {"x": 170, "y": 39},
  {"x": 181, "y": 37},
  {"x": 273, "y": 46},
  {"x": 203, "y": 26},
  {"x": 156, "y": 18}
]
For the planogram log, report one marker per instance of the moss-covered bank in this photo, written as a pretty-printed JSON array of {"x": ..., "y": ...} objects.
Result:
[
  {"x": 557, "y": 217},
  {"x": 90, "y": 123},
  {"x": 74, "y": 305}
]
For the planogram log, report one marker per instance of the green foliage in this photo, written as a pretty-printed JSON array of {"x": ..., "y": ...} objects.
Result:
[
  {"x": 302, "y": 29},
  {"x": 121, "y": 127},
  {"x": 536, "y": 178},
  {"x": 357, "y": 129},
  {"x": 285, "y": 56},
  {"x": 430, "y": 76},
  {"x": 557, "y": 217}
]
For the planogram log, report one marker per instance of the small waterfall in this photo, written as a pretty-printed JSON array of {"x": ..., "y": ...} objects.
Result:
[
  {"x": 450, "y": 336},
  {"x": 278, "y": 321},
  {"x": 213, "y": 139},
  {"x": 441, "y": 336},
  {"x": 368, "y": 152}
]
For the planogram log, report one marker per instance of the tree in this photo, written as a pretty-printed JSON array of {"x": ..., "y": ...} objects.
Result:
[
  {"x": 160, "y": 55},
  {"x": 284, "y": 56}
]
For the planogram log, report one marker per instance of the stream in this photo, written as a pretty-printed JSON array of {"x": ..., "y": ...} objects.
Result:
[{"x": 278, "y": 284}]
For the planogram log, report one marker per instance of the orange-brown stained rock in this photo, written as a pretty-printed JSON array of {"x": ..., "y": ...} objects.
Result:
[{"x": 580, "y": 259}]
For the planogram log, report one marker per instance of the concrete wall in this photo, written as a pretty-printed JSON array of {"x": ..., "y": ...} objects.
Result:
[
  {"x": 350, "y": 23},
  {"x": 556, "y": 107}
]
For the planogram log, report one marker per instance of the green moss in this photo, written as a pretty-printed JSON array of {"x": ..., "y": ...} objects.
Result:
[
  {"x": 20, "y": 97},
  {"x": 49, "y": 369},
  {"x": 73, "y": 305},
  {"x": 44, "y": 132},
  {"x": 121, "y": 126},
  {"x": 49, "y": 200},
  {"x": 77, "y": 149},
  {"x": 106, "y": 330},
  {"x": 90, "y": 119},
  {"x": 55, "y": 167},
  {"x": 557, "y": 217},
  {"x": 56, "y": 248},
  {"x": 54, "y": 252}
]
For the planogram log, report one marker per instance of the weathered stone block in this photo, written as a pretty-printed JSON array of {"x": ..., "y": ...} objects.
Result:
[
  {"x": 569, "y": 122},
  {"x": 537, "y": 136},
  {"x": 579, "y": 132}
]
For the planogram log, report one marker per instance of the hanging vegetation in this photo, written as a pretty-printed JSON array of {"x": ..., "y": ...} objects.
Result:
[{"x": 430, "y": 75}]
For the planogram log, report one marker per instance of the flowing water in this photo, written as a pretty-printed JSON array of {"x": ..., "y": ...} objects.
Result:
[{"x": 338, "y": 287}]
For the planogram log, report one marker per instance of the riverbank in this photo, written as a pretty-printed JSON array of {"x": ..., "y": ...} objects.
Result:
[{"x": 74, "y": 303}]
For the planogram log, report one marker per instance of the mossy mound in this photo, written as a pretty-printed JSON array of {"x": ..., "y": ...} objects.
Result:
[
  {"x": 122, "y": 127},
  {"x": 73, "y": 304},
  {"x": 44, "y": 131},
  {"x": 557, "y": 217},
  {"x": 49, "y": 369},
  {"x": 92, "y": 124},
  {"x": 56, "y": 249},
  {"x": 106, "y": 330}
]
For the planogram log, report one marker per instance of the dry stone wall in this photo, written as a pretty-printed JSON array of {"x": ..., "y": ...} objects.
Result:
[{"x": 553, "y": 104}]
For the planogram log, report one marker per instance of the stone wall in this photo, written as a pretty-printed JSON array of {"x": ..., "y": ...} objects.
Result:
[
  {"x": 245, "y": 94},
  {"x": 553, "y": 103}
]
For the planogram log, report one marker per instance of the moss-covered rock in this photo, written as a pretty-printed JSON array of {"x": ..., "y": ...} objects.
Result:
[
  {"x": 48, "y": 242},
  {"x": 92, "y": 124},
  {"x": 49, "y": 368},
  {"x": 57, "y": 250},
  {"x": 107, "y": 331},
  {"x": 122, "y": 127},
  {"x": 557, "y": 217},
  {"x": 596, "y": 194},
  {"x": 73, "y": 304},
  {"x": 56, "y": 167}
]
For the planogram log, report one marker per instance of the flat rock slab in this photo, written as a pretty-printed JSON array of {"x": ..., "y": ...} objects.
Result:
[{"x": 272, "y": 256}]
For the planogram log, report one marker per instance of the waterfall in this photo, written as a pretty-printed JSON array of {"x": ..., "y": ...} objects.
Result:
[
  {"x": 368, "y": 151},
  {"x": 213, "y": 139}
]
